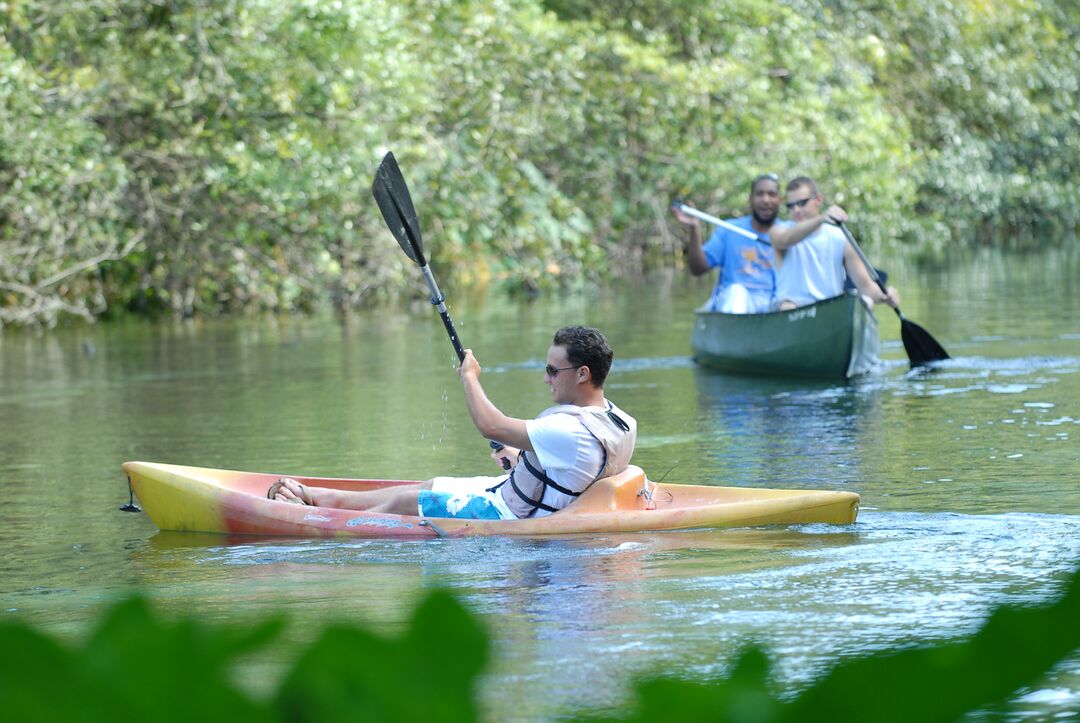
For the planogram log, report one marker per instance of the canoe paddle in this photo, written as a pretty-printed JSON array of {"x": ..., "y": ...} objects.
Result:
[
  {"x": 921, "y": 348},
  {"x": 691, "y": 211},
  {"x": 396, "y": 206}
]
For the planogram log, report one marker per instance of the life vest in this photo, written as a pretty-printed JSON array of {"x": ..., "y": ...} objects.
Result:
[{"x": 616, "y": 431}]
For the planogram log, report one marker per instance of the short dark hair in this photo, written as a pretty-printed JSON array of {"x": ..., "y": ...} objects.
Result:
[
  {"x": 764, "y": 177},
  {"x": 800, "y": 181},
  {"x": 586, "y": 347}
]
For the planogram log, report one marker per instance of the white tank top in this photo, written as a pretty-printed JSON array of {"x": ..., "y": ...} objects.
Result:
[{"x": 813, "y": 269}]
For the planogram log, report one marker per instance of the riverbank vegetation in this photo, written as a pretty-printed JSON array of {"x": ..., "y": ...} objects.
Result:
[
  {"x": 137, "y": 666},
  {"x": 195, "y": 158}
]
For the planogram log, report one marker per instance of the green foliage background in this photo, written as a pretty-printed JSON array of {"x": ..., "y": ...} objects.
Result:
[{"x": 194, "y": 157}]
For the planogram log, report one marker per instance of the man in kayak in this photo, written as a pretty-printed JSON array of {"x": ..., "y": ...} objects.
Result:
[
  {"x": 813, "y": 257},
  {"x": 554, "y": 457},
  {"x": 746, "y": 281}
]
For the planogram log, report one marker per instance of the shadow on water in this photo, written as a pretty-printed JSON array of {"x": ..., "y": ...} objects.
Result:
[
  {"x": 602, "y": 579},
  {"x": 256, "y": 549},
  {"x": 479, "y": 562}
]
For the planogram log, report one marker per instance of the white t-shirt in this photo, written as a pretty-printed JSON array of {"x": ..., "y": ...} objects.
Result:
[
  {"x": 813, "y": 269},
  {"x": 568, "y": 452}
]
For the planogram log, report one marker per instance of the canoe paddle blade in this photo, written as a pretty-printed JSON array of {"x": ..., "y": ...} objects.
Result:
[
  {"x": 921, "y": 348},
  {"x": 396, "y": 206}
]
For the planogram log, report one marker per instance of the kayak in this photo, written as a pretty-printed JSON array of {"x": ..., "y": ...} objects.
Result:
[
  {"x": 200, "y": 499},
  {"x": 834, "y": 338}
]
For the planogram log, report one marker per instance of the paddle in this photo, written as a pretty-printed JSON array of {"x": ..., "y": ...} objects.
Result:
[
  {"x": 691, "y": 211},
  {"x": 396, "y": 206},
  {"x": 921, "y": 348}
]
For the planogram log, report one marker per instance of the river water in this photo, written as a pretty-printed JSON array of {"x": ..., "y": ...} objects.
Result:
[{"x": 969, "y": 476}]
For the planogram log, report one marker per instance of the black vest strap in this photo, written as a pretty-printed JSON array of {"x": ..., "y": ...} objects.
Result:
[
  {"x": 619, "y": 421},
  {"x": 536, "y": 504},
  {"x": 542, "y": 476}
]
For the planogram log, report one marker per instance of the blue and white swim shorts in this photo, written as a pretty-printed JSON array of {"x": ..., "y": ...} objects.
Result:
[{"x": 464, "y": 498}]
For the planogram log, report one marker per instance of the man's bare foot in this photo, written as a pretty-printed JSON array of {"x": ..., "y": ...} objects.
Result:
[{"x": 287, "y": 489}]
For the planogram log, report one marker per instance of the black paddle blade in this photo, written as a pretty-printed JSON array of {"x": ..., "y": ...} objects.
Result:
[
  {"x": 921, "y": 348},
  {"x": 394, "y": 201}
]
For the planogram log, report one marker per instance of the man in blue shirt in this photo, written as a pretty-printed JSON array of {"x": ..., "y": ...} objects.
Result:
[{"x": 746, "y": 281}]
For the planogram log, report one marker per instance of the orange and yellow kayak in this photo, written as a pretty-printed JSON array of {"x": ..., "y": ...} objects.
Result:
[{"x": 199, "y": 499}]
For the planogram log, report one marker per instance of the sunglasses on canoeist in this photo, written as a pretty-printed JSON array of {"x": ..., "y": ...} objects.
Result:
[
  {"x": 554, "y": 371},
  {"x": 798, "y": 204}
]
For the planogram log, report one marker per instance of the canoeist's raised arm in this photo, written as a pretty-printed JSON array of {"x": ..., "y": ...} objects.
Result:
[
  {"x": 489, "y": 421},
  {"x": 695, "y": 254},
  {"x": 783, "y": 238}
]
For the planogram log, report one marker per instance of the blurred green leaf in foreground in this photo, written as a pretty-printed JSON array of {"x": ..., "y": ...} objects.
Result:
[{"x": 137, "y": 667}]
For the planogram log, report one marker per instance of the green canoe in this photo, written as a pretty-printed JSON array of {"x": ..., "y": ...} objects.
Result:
[{"x": 835, "y": 338}]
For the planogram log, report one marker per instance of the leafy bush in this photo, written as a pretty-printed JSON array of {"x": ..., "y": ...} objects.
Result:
[
  {"x": 189, "y": 158},
  {"x": 136, "y": 667}
]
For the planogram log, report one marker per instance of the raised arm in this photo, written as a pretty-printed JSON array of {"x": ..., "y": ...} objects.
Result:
[
  {"x": 489, "y": 421},
  {"x": 783, "y": 238},
  {"x": 695, "y": 253}
]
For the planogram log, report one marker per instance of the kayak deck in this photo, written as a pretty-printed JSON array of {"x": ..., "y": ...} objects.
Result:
[{"x": 200, "y": 499}]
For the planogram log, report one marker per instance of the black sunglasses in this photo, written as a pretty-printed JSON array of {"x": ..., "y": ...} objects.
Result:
[
  {"x": 798, "y": 204},
  {"x": 554, "y": 371}
]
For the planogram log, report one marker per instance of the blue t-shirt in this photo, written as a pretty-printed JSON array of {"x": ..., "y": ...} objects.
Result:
[{"x": 741, "y": 260}]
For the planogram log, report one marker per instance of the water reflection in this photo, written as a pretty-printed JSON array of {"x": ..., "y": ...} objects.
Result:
[{"x": 784, "y": 433}]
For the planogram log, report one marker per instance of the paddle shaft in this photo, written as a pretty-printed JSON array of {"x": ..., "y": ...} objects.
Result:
[
  {"x": 439, "y": 302},
  {"x": 866, "y": 262},
  {"x": 691, "y": 211}
]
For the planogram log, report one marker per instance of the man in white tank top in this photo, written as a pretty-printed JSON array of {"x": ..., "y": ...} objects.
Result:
[{"x": 813, "y": 257}]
